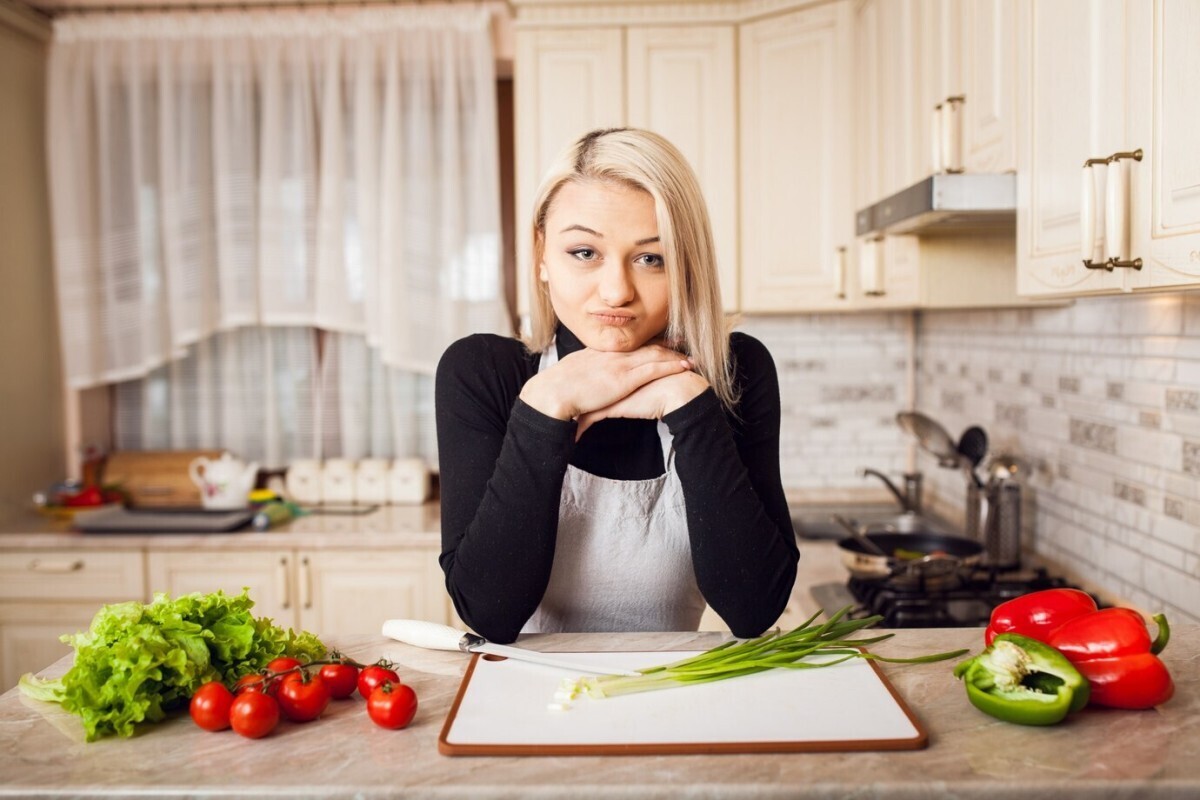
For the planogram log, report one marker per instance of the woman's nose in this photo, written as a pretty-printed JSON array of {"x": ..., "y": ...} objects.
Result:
[{"x": 616, "y": 288}]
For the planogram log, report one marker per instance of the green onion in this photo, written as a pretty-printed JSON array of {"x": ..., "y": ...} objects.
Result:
[{"x": 827, "y": 644}]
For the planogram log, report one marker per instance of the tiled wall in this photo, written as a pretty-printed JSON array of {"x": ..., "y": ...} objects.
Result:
[
  {"x": 842, "y": 380},
  {"x": 1102, "y": 397}
]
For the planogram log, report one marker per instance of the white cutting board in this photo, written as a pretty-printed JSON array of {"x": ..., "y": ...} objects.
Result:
[{"x": 502, "y": 709}]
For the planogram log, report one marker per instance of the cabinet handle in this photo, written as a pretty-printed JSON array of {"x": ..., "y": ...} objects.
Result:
[
  {"x": 285, "y": 591},
  {"x": 56, "y": 567},
  {"x": 935, "y": 140},
  {"x": 951, "y": 133},
  {"x": 870, "y": 268},
  {"x": 305, "y": 583},
  {"x": 1116, "y": 211},
  {"x": 1092, "y": 255},
  {"x": 839, "y": 274}
]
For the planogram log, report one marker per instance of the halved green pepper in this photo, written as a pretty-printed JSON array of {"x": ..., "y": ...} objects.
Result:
[{"x": 1022, "y": 680}]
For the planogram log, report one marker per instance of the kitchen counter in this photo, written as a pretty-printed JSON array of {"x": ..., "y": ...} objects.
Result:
[{"x": 1096, "y": 754}]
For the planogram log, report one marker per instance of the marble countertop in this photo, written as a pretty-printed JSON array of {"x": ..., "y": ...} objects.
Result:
[{"x": 1096, "y": 754}]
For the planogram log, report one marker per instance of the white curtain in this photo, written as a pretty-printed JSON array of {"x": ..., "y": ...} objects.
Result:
[{"x": 223, "y": 171}]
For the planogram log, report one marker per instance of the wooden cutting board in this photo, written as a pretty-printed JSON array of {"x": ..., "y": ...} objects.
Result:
[
  {"x": 502, "y": 709},
  {"x": 156, "y": 478}
]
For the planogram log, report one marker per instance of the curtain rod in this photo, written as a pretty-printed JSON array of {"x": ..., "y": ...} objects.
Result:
[{"x": 246, "y": 5}]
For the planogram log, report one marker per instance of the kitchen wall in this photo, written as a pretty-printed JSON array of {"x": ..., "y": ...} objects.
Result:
[
  {"x": 1102, "y": 396},
  {"x": 31, "y": 415}
]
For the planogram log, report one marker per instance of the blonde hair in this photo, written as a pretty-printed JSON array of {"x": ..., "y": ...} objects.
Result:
[{"x": 643, "y": 160}]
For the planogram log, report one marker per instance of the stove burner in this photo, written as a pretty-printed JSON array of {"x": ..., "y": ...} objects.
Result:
[{"x": 965, "y": 601}]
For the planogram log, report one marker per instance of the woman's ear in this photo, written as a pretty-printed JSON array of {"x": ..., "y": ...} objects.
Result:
[{"x": 543, "y": 275}]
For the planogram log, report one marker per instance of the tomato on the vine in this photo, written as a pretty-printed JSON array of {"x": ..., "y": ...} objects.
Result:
[
  {"x": 303, "y": 699},
  {"x": 392, "y": 705},
  {"x": 209, "y": 706},
  {"x": 373, "y": 676},
  {"x": 342, "y": 679},
  {"x": 254, "y": 714},
  {"x": 251, "y": 682}
]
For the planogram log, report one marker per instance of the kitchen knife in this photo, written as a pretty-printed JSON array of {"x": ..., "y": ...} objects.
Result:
[{"x": 433, "y": 636}]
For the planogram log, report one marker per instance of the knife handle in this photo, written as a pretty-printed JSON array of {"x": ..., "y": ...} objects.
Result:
[{"x": 418, "y": 632}]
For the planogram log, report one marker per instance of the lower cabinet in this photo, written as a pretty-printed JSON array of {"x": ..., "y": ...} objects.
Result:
[
  {"x": 322, "y": 591},
  {"x": 45, "y": 594}
]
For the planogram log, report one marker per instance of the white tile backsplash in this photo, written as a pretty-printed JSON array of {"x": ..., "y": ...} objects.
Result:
[{"x": 1102, "y": 397}]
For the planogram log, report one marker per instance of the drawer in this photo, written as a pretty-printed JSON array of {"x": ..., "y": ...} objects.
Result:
[{"x": 110, "y": 576}]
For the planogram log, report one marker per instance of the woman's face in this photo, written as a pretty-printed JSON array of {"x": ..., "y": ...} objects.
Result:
[{"x": 603, "y": 265}]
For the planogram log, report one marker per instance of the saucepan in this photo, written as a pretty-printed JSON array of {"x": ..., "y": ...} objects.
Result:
[{"x": 920, "y": 558}]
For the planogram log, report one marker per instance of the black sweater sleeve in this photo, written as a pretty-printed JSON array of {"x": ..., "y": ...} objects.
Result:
[
  {"x": 501, "y": 469},
  {"x": 743, "y": 544},
  {"x": 502, "y": 465}
]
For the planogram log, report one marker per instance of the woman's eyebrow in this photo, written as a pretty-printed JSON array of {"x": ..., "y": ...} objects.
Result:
[{"x": 598, "y": 235}]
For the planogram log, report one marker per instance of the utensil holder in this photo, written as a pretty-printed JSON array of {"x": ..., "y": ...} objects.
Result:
[{"x": 994, "y": 520}]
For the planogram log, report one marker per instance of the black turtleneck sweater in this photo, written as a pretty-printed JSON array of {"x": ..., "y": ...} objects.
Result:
[{"x": 502, "y": 465}]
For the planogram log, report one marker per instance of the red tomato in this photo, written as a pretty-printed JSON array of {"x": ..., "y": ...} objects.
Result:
[
  {"x": 303, "y": 700},
  {"x": 284, "y": 664},
  {"x": 392, "y": 705},
  {"x": 254, "y": 714},
  {"x": 253, "y": 682},
  {"x": 342, "y": 679},
  {"x": 372, "y": 676},
  {"x": 210, "y": 706}
]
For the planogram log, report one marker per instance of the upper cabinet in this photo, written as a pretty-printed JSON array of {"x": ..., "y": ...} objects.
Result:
[
  {"x": 1109, "y": 174},
  {"x": 572, "y": 77},
  {"x": 989, "y": 78},
  {"x": 796, "y": 155}
]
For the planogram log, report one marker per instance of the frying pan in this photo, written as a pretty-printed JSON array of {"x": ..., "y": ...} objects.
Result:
[{"x": 941, "y": 558}]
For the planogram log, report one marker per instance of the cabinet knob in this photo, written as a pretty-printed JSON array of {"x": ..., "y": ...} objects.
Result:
[{"x": 285, "y": 590}]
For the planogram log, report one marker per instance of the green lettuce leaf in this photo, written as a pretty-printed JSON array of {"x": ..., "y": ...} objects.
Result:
[{"x": 138, "y": 662}]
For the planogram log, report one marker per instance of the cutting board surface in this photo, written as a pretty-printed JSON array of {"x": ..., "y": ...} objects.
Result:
[{"x": 502, "y": 709}]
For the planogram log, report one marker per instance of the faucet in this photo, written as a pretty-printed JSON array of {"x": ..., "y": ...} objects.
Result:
[{"x": 910, "y": 498}]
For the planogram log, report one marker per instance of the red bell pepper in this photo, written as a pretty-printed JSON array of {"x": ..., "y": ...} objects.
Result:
[
  {"x": 1114, "y": 651},
  {"x": 1038, "y": 614}
]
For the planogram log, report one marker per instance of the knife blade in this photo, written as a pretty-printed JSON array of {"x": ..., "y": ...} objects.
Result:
[{"x": 434, "y": 636}]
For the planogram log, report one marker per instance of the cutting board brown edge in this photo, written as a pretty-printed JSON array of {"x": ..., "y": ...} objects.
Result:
[
  {"x": 446, "y": 748},
  {"x": 156, "y": 478}
]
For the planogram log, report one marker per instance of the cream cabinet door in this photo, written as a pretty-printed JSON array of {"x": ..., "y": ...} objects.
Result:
[
  {"x": 1164, "y": 119},
  {"x": 270, "y": 576},
  {"x": 938, "y": 36},
  {"x": 29, "y": 635},
  {"x": 796, "y": 157},
  {"x": 989, "y": 62},
  {"x": 891, "y": 155},
  {"x": 1073, "y": 89},
  {"x": 681, "y": 85},
  {"x": 346, "y": 592},
  {"x": 567, "y": 82}
]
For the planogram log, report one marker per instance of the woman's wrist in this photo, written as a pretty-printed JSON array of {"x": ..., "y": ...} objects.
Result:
[
  {"x": 687, "y": 387},
  {"x": 537, "y": 396}
]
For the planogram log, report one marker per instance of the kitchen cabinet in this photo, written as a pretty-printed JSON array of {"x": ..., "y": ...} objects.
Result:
[
  {"x": 1105, "y": 79},
  {"x": 314, "y": 590},
  {"x": 989, "y": 79},
  {"x": 796, "y": 122},
  {"x": 47, "y": 593},
  {"x": 675, "y": 80}
]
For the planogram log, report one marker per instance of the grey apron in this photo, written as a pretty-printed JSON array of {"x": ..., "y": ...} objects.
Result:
[{"x": 622, "y": 561}]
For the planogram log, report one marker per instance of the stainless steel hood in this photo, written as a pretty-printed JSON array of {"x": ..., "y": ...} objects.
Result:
[{"x": 944, "y": 203}]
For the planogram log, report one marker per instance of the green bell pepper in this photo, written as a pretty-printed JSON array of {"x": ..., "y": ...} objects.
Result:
[{"x": 1022, "y": 680}]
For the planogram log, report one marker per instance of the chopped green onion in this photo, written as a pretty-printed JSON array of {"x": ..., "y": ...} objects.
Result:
[{"x": 776, "y": 650}]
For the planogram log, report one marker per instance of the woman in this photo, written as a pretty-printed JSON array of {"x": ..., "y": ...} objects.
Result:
[{"x": 620, "y": 468}]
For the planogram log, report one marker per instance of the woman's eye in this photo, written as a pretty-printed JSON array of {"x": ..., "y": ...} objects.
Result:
[
  {"x": 583, "y": 253},
  {"x": 652, "y": 260}
]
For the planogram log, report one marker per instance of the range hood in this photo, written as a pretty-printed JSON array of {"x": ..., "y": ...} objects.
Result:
[{"x": 946, "y": 202}]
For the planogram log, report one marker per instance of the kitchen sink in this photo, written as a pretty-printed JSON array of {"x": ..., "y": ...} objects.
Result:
[{"x": 816, "y": 521}]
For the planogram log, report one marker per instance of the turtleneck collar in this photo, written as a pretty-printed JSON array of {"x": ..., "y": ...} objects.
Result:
[{"x": 565, "y": 341}]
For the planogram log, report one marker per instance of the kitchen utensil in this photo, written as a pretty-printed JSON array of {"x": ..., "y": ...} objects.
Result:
[
  {"x": 1002, "y": 535},
  {"x": 942, "y": 557},
  {"x": 931, "y": 437},
  {"x": 972, "y": 446},
  {"x": 224, "y": 482},
  {"x": 434, "y": 636},
  {"x": 859, "y": 536}
]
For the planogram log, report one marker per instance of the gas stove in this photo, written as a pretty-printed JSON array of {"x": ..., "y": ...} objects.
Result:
[{"x": 965, "y": 601}]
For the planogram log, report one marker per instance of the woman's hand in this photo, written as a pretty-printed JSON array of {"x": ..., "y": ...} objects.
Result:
[
  {"x": 589, "y": 380},
  {"x": 651, "y": 401}
]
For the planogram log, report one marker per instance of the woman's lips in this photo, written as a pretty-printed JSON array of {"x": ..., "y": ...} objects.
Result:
[{"x": 614, "y": 318}]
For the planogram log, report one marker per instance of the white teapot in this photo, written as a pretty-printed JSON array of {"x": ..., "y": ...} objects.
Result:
[{"x": 224, "y": 482}]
